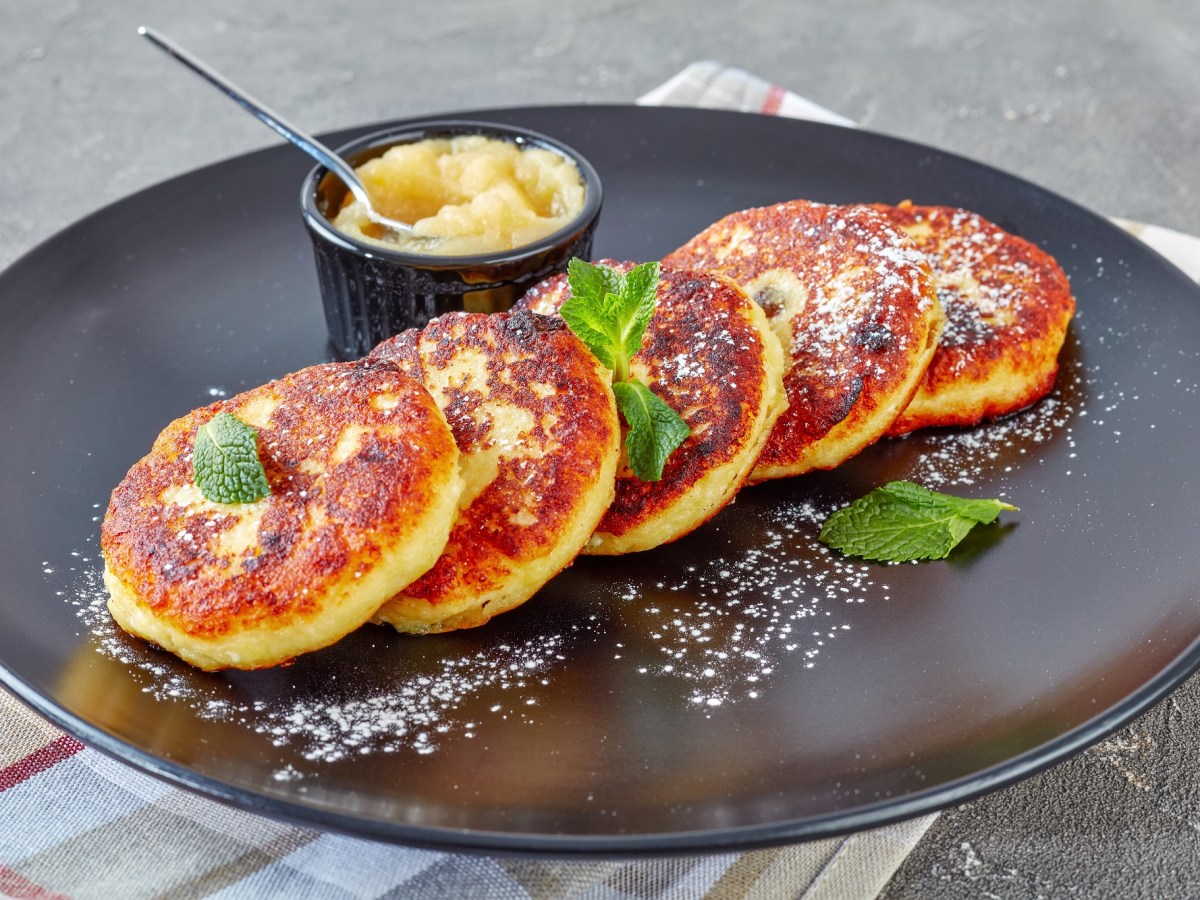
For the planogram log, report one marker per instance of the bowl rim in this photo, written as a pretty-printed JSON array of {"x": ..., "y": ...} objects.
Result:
[{"x": 421, "y": 129}]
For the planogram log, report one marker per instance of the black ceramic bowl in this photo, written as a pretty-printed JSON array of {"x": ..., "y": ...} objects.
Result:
[{"x": 371, "y": 293}]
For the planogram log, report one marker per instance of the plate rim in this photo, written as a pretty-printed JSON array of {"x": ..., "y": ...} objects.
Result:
[{"x": 632, "y": 846}]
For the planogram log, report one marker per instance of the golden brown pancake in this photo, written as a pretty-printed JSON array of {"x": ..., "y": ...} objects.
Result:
[
  {"x": 364, "y": 484},
  {"x": 710, "y": 354},
  {"x": 854, "y": 304},
  {"x": 1007, "y": 305},
  {"x": 535, "y": 420}
]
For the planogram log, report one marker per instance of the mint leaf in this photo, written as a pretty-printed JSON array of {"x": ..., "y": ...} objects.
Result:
[
  {"x": 639, "y": 291},
  {"x": 587, "y": 321},
  {"x": 655, "y": 430},
  {"x": 609, "y": 311},
  {"x": 902, "y": 521},
  {"x": 980, "y": 512},
  {"x": 225, "y": 463},
  {"x": 591, "y": 282}
]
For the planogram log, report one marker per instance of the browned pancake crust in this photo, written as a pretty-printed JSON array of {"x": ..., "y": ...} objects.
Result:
[
  {"x": 552, "y": 479},
  {"x": 318, "y": 520},
  {"x": 1008, "y": 304},
  {"x": 860, "y": 335},
  {"x": 703, "y": 354}
]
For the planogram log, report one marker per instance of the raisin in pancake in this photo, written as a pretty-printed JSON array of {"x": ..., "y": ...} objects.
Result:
[
  {"x": 854, "y": 304},
  {"x": 364, "y": 481},
  {"x": 535, "y": 420},
  {"x": 710, "y": 354},
  {"x": 1007, "y": 306}
]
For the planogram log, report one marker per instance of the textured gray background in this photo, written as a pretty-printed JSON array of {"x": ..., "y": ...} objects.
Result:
[{"x": 1095, "y": 100}]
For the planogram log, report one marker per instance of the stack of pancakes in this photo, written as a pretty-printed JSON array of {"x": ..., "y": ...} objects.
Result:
[
  {"x": 445, "y": 478},
  {"x": 436, "y": 483},
  {"x": 894, "y": 317}
]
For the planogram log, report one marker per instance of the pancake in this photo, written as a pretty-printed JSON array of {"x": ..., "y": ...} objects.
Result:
[
  {"x": 364, "y": 481},
  {"x": 535, "y": 420},
  {"x": 710, "y": 354},
  {"x": 854, "y": 304},
  {"x": 1007, "y": 305}
]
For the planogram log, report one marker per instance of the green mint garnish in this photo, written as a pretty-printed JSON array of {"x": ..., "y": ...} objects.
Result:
[
  {"x": 902, "y": 521},
  {"x": 225, "y": 463},
  {"x": 655, "y": 429},
  {"x": 609, "y": 311}
]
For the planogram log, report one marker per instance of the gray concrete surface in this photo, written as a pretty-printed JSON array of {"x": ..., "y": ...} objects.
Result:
[{"x": 1096, "y": 100}]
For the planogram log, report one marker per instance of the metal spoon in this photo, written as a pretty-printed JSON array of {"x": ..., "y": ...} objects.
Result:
[{"x": 305, "y": 142}]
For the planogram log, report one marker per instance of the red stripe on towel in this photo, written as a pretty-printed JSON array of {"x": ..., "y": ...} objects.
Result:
[
  {"x": 38, "y": 761},
  {"x": 14, "y": 884},
  {"x": 773, "y": 101}
]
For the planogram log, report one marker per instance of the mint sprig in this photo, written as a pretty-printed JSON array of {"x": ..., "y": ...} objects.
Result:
[
  {"x": 655, "y": 429},
  {"x": 902, "y": 521},
  {"x": 225, "y": 463},
  {"x": 609, "y": 311}
]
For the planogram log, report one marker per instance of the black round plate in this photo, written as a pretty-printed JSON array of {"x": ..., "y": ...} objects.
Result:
[{"x": 740, "y": 687}]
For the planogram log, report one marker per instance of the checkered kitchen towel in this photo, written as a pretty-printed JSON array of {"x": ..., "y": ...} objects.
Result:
[{"x": 74, "y": 823}]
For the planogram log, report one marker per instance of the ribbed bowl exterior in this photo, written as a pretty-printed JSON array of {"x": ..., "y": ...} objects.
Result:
[{"x": 369, "y": 299}]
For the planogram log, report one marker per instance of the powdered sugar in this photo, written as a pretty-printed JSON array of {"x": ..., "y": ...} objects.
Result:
[
  {"x": 964, "y": 458},
  {"x": 708, "y": 635},
  {"x": 416, "y": 713},
  {"x": 738, "y": 616},
  {"x": 994, "y": 288}
]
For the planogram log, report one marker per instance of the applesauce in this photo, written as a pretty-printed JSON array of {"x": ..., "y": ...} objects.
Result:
[{"x": 465, "y": 195}]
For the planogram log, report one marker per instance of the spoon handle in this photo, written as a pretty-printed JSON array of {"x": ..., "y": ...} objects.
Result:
[{"x": 263, "y": 113}]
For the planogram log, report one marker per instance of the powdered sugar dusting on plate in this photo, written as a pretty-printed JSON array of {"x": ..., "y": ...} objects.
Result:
[
  {"x": 965, "y": 458},
  {"x": 737, "y": 617},
  {"x": 713, "y": 633},
  {"x": 417, "y": 713}
]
